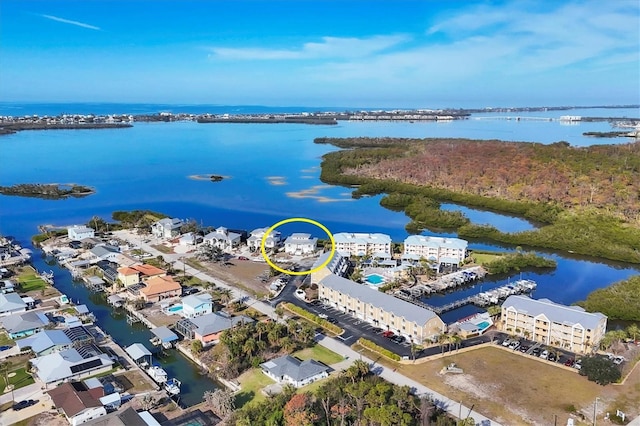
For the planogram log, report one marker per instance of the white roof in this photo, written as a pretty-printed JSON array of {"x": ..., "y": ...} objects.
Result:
[
  {"x": 195, "y": 300},
  {"x": 361, "y": 238},
  {"x": 137, "y": 351},
  {"x": 10, "y": 302},
  {"x": 555, "y": 312},
  {"x": 435, "y": 242},
  {"x": 67, "y": 363},
  {"x": 112, "y": 398}
]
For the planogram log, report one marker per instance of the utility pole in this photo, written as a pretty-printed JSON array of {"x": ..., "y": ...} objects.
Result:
[{"x": 595, "y": 411}]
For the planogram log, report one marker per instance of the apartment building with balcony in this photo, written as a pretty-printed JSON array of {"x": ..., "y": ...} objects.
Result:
[
  {"x": 362, "y": 244},
  {"x": 436, "y": 250},
  {"x": 550, "y": 323}
]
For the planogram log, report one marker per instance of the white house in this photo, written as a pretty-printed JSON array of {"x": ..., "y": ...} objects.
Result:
[
  {"x": 167, "y": 227},
  {"x": 361, "y": 244},
  {"x": 188, "y": 239},
  {"x": 77, "y": 403},
  {"x": 223, "y": 239},
  {"x": 104, "y": 252},
  {"x": 80, "y": 232},
  {"x": 70, "y": 363},
  {"x": 196, "y": 305},
  {"x": 287, "y": 369},
  {"x": 299, "y": 244},
  {"x": 436, "y": 250},
  {"x": 272, "y": 241}
]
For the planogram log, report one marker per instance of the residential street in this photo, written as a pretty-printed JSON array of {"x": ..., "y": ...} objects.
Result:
[{"x": 452, "y": 407}]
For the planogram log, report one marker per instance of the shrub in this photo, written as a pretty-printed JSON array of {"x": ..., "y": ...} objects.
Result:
[
  {"x": 379, "y": 349},
  {"x": 600, "y": 370},
  {"x": 313, "y": 318}
]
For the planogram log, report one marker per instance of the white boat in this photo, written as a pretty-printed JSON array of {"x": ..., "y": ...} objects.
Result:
[
  {"x": 157, "y": 373},
  {"x": 172, "y": 386}
]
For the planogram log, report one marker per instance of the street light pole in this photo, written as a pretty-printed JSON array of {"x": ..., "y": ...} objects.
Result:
[{"x": 595, "y": 411}]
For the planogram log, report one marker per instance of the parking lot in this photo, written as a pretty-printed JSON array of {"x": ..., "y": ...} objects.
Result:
[{"x": 541, "y": 351}]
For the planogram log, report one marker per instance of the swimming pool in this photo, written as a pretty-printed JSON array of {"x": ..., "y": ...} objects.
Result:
[
  {"x": 483, "y": 325},
  {"x": 375, "y": 279},
  {"x": 175, "y": 308}
]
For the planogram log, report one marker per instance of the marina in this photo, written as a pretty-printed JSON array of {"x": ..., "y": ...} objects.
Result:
[{"x": 488, "y": 298}]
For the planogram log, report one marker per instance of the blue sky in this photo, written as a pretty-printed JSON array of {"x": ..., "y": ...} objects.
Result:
[{"x": 322, "y": 53}]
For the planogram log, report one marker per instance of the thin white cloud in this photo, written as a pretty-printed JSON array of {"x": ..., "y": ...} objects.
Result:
[
  {"x": 70, "y": 22},
  {"x": 329, "y": 47}
]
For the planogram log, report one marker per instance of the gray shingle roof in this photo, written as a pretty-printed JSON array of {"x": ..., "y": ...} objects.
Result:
[
  {"x": 24, "y": 322},
  {"x": 10, "y": 302},
  {"x": 216, "y": 322},
  {"x": 294, "y": 368},
  {"x": 137, "y": 351},
  {"x": 567, "y": 315},
  {"x": 367, "y": 295}
]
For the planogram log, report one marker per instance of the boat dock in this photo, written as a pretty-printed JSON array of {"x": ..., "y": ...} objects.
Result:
[
  {"x": 491, "y": 297},
  {"x": 446, "y": 282}
]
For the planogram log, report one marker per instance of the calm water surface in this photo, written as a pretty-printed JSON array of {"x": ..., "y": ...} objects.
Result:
[{"x": 274, "y": 174}]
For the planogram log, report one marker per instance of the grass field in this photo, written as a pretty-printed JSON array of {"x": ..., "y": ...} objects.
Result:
[
  {"x": 5, "y": 340},
  {"x": 482, "y": 258},
  {"x": 251, "y": 382},
  {"x": 319, "y": 353},
  {"x": 20, "y": 379},
  {"x": 29, "y": 281},
  {"x": 510, "y": 388}
]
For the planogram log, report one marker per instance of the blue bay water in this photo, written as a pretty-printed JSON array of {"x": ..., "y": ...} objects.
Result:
[{"x": 269, "y": 167}]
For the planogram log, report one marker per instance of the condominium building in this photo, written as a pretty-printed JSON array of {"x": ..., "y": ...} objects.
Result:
[
  {"x": 361, "y": 244},
  {"x": 567, "y": 327},
  {"x": 436, "y": 250},
  {"x": 378, "y": 308}
]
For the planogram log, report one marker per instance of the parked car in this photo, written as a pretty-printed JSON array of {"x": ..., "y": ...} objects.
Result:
[
  {"x": 376, "y": 330},
  {"x": 506, "y": 342},
  {"x": 577, "y": 365},
  {"x": 323, "y": 316},
  {"x": 552, "y": 357},
  {"x": 24, "y": 404},
  {"x": 524, "y": 348},
  {"x": 536, "y": 351},
  {"x": 544, "y": 354},
  {"x": 4, "y": 348},
  {"x": 514, "y": 345},
  {"x": 618, "y": 360},
  {"x": 243, "y": 258},
  {"x": 569, "y": 362},
  {"x": 398, "y": 339},
  {"x": 388, "y": 334},
  {"x": 332, "y": 320}
]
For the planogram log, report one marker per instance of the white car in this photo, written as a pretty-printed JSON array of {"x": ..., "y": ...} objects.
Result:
[
  {"x": 544, "y": 354},
  {"x": 514, "y": 345},
  {"x": 618, "y": 360},
  {"x": 300, "y": 294},
  {"x": 506, "y": 342}
]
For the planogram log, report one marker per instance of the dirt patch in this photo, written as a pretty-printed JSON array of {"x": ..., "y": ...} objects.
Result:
[
  {"x": 246, "y": 274},
  {"x": 134, "y": 382},
  {"x": 48, "y": 419}
]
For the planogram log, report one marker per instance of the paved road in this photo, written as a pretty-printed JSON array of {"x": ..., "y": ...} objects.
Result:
[
  {"x": 452, "y": 407},
  {"x": 34, "y": 392}
]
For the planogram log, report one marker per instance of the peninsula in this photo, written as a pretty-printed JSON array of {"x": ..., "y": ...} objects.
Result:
[
  {"x": 49, "y": 191},
  {"x": 582, "y": 197}
]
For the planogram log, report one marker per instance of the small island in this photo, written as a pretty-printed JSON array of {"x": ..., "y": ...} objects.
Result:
[
  {"x": 612, "y": 134},
  {"x": 48, "y": 191},
  {"x": 209, "y": 177}
]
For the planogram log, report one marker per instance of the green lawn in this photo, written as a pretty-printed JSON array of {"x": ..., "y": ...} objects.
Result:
[
  {"x": 31, "y": 282},
  {"x": 5, "y": 340},
  {"x": 482, "y": 258},
  {"x": 319, "y": 353},
  {"x": 21, "y": 379},
  {"x": 251, "y": 382}
]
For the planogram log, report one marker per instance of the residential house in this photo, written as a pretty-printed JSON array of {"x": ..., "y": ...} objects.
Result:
[
  {"x": 11, "y": 303},
  {"x": 289, "y": 370},
  {"x": 7, "y": 286},
  {"x": 45, "y": 342},
  {"x": 188, "y": 239},
  {"x": 109, "y": 271},
  {"x": 196, "y": 305},
  {"x": 149, "y": 271},
  {"x": 167, "y": 227},
  {"x": 25, "y": 324},
  {"x": 71, "y": 363},
  {"x": 128, "y": 276},
  {"x": 380, "y": 309},
  {"x": 77, "y": 403},
  {"x": 158, "y": 288},
  {"x": 438, "y": 251},
  {"x": 104, "y": 252},
  {"x": 567, "y": 327},
  {"x": 363, "y": 244},
  {"x": 80, "y": 232},
  {"x": 126, "y": 417},
  {"x": 223, "y": 239},
  {"x": 208, "y": 328},
  {"x": 272, "y": 241},
  {"x": 300, "y": 244}
]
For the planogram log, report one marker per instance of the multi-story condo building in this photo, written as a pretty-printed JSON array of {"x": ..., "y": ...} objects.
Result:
[
  {"x": 255, "y": 240},
  {"x": 567, "y": 327},
  {"x": 361, "y": 244},
  {"x": 300, "y": 244},
  {"x": 378, "y": 308},
  {"x": 437, "y": 250}
]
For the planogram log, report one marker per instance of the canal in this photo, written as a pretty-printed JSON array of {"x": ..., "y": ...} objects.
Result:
[{"x": 115, "y": 324}]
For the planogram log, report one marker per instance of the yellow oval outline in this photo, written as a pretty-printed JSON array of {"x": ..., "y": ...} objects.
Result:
[{"x": 290, "y": 220}]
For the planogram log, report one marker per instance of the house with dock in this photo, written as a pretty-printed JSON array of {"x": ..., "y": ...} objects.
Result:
[
  {"x": 45, "y": 342},
  {"x": 437, "y": 251},
  {"x": 208, "y": 328},
  {"x": 80, "y": 232},
  {"x": 24, "y": 324},
  {"x": 196, "y": 305},
  {"x": 71, "y": 363},
  {"x": 567, "y": 327}
]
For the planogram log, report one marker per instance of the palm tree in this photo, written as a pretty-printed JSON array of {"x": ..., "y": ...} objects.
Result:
[
  {"x": 456, "y": 340},
  {"x": 443, "y": 339},
  {"x": 633, "y": 331},
  {"x": 249, "y": 347},
  {"x": 225, "y": 295}
]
